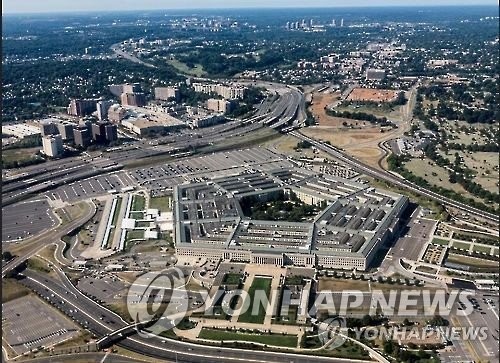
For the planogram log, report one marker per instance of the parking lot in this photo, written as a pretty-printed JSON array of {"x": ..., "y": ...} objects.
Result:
[
  {"x": 107, "y": 289},
  {"x": 92, "y": 187},
  {"x": 168, "y": 175},
  {"x": 28, "y": 323},
  {"x": 26, "y": 219}
]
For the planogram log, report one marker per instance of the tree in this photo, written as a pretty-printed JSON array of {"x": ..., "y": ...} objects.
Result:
[
  {"x": 389, "y": 347},
  {"x": 6, "y": 256}
]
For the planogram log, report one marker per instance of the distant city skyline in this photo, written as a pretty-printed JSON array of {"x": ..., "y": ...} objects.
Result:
[{"x": 47, "y": 6}]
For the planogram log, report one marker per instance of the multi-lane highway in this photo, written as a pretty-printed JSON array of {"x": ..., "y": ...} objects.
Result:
[{"x": 393, "y": 178}]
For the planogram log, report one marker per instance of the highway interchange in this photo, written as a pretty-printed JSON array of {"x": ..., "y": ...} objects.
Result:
[{"x": 287, "y": 109}]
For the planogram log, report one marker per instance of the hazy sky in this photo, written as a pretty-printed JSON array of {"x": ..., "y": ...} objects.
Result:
[{"x": 21, "y": 6}]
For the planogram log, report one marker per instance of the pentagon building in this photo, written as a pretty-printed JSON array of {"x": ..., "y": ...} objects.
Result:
[{"x": 353, "y": 222}]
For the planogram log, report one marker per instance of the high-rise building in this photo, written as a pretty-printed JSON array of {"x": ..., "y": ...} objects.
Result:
[
  {"x": 132, "y": 88},
  {"x": 82, "y": 136},
  {"x": 223, "y": 106},
  {"x": 104, "y": 132},
  {"x": 116, "y": 113},
  {"x": 82, "y": 107},
  {"x": 341, "y": 22},
  {"x": 118, "y": 89},
  {"x": 166, "y": 93},
  {"x": 66, "y": 130},
  {"x": 52, "y": 145},
  {"x": 99, "y": 132},
  {"x": 102, "y": 109},
  {"x": 48, "y": 127},
  {"x": 133, "y": 99},
  {"x": 111, "y": 132},
  {"x": 288, "y": 25}
]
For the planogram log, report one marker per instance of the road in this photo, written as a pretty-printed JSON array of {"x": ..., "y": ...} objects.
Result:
[
  {"x": 394, "y": 178},
  {"x": 120, "y": 53},
  {"x": 96, "y": 318},
  {"x": 32, "y": 246}
]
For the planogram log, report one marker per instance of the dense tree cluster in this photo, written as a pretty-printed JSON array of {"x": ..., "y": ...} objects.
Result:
[{"x": 282, "y": 207}]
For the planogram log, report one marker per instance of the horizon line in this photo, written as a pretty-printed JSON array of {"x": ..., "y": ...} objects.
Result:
[{"x": 249, "y": 8}]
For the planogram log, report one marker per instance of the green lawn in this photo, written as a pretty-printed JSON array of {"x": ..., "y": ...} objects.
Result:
[
  {"x": 461, "y": 245},
  {"x": 269, "y": 339},
  {"x": 182, "y": 67},
  {"x": 136, "y": 215},
  {"x": 259, "y": 283},
  {"x": 134, "y": 234},
  {"x": 438, "y": 241},
  {"x": 481, "y": 249},
  {"x": 232, "y": 279},
  {"x": 161, "y": 203},
  {"x": 138, "y": 202}
]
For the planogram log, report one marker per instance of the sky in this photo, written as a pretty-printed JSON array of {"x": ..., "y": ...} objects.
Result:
[{"x": 36, "y": 6}]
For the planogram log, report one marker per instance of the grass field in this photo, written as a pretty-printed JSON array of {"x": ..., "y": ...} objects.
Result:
[
  {"x": 483, "y": 249},
  {"x": 19, "y": 154},
  {"x": 138, "y": 202},
  {"x": 136, "y": 215},
  {"x": 268, "y": 339},
  {"x": 160, "y": 203},
  {"x": 434, "y": 174},
  {"x": 183, "y": 68},
  {"x": 286, "y": 145},
  {"x": 232, "y": 279},
  {"x": 258, "y": 283},
  {"x": 134, "y": 234},
  {"x": 470, "y": 261},
  {"x": 11, "y": 289},
  {"x": 461, "y": 245},
  {"x": 360, "y": 143}
]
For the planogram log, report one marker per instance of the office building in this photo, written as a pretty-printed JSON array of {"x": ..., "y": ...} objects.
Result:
[
  {"x": 222, "y": 106},
  {"x": 82, "y": 136},
  {"x": 133, "y": 99},
  {"x": 111, "y": 132},
  {"x": 49, "y": 127},
  {"x": 226, "y": 91},
  {"x": 103, "y": 132},
  {"x": 352, "y": 223},
  {"x": 116, "y": 113},
  {"x": 117, "y": 89},
  {"x": 82, "y": 107},
  {"x": 167, "y": 93},
  {"x": 66, "y": 130},
  {"x": 52, "y": 145},
  {"x": 102, "y": 109}
]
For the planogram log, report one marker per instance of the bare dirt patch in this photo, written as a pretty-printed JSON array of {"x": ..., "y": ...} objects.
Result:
[
  {"x": 372, "y": 95},
  {"x": 320, "y": 102}
]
